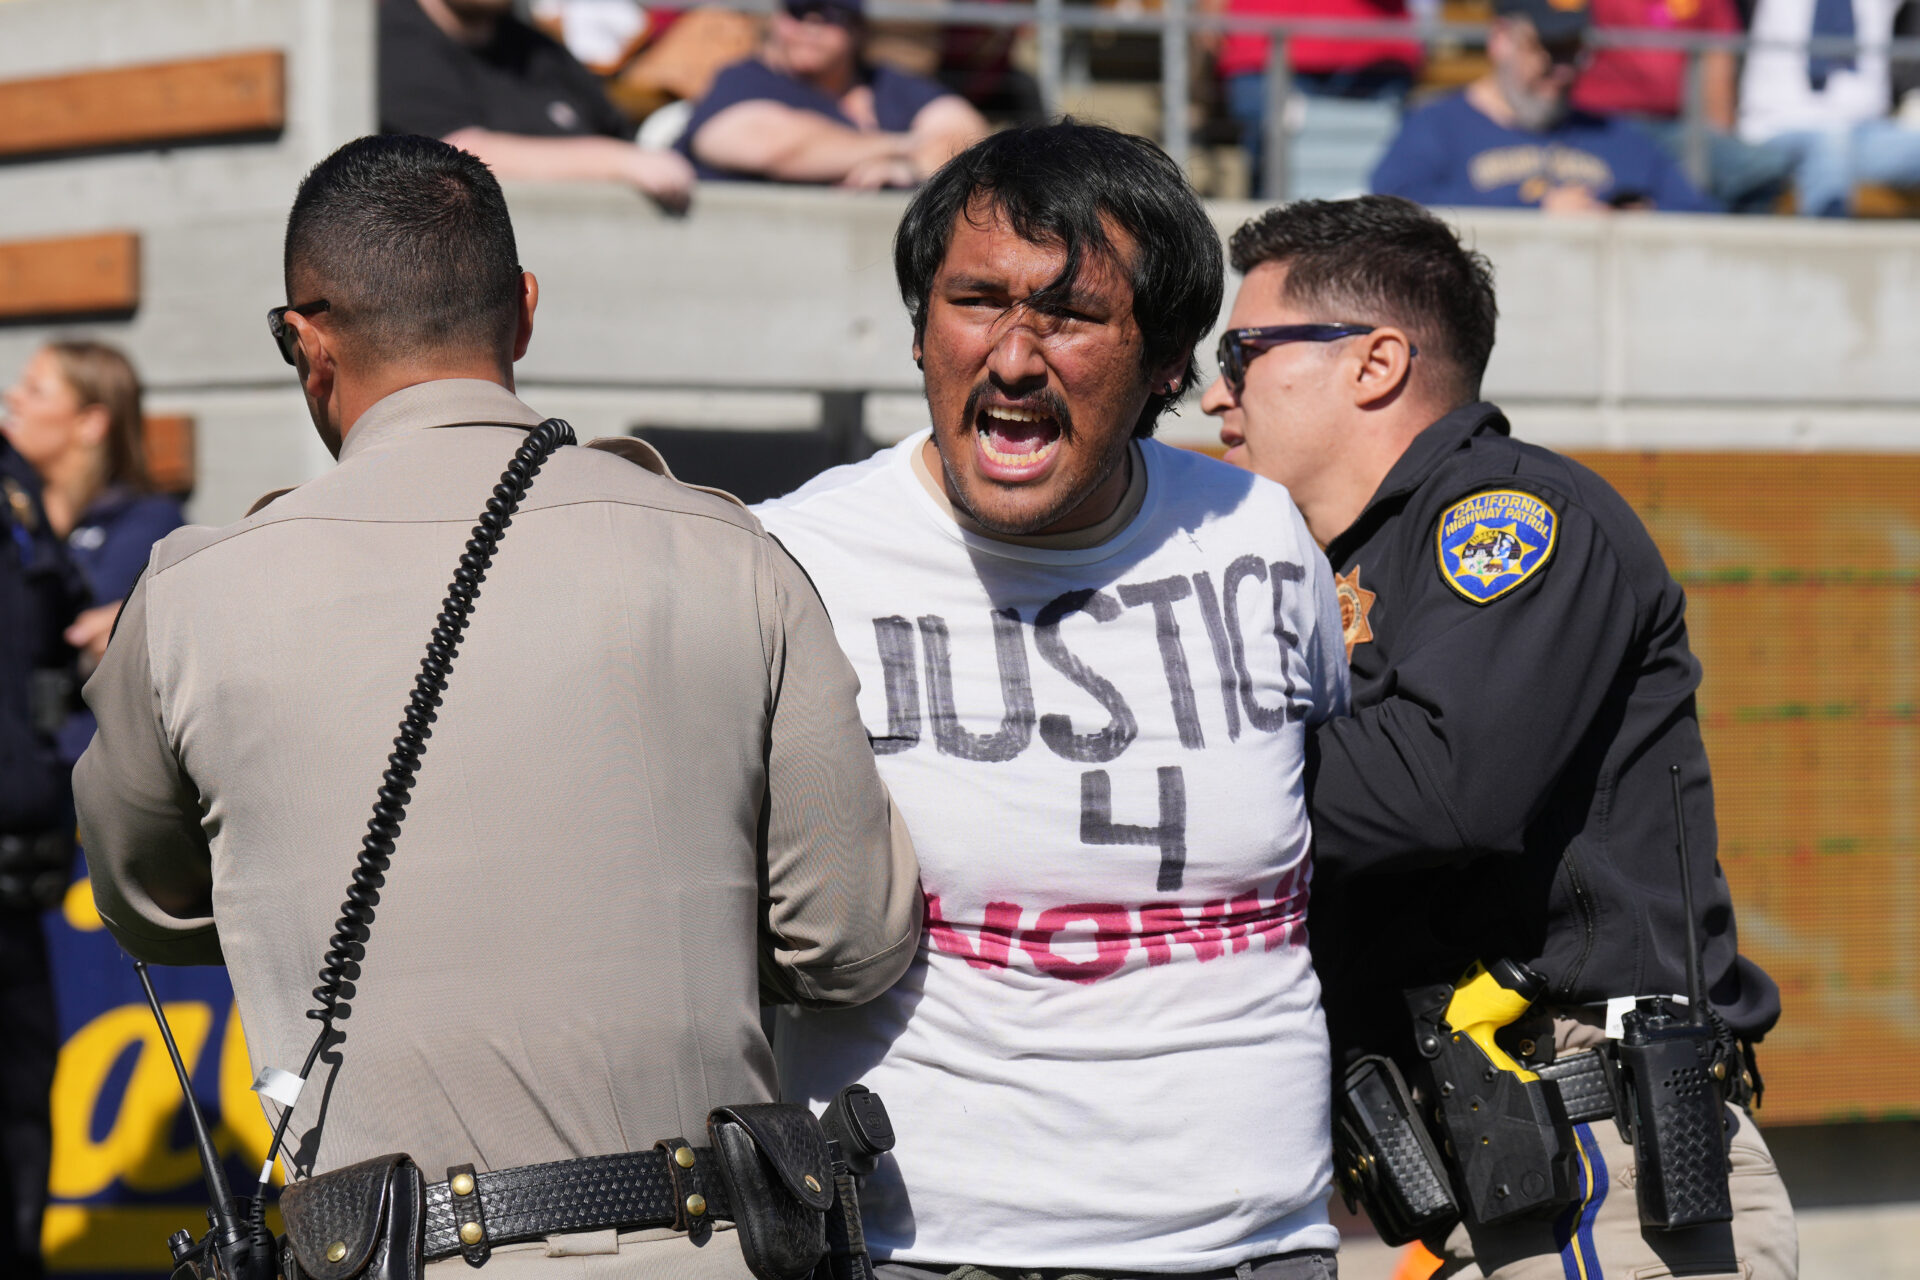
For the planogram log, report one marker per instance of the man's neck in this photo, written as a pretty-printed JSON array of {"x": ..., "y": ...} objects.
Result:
[
  {"x": 1374, "y": 449},
  {"x": 1486, "y": 97},
  {"x": 836, "y": 81},
  {"x": 354, "y": 397},
  {"x": 472, "y": 30}
]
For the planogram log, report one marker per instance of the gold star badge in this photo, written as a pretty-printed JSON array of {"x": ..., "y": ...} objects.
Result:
[{"x": 1356, "y": 602}]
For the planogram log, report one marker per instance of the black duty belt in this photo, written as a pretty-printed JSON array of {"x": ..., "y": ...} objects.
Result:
[
  {"x": 1584, "y": 1087},
  {"x": 673, "y": 1185}
]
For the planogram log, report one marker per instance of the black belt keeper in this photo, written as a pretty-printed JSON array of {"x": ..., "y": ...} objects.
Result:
[
  {"x": 629, "y": 1191},
  {"x": 1586, "y": 1081}
]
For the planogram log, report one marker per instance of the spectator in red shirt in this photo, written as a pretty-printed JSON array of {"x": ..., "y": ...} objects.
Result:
[
  {"x": 1375, "y": 69},
  {"x": 1650, "y": 86}
]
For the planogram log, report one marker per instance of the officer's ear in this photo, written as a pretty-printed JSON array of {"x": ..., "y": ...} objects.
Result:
[
  {"x": 523, "y": 319},
  {"x": 314, "y": 357},
  {"x": 1385, "y": 363}
]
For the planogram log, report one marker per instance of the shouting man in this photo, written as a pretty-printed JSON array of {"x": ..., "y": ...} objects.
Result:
[{"x": 1088, "y": 664}]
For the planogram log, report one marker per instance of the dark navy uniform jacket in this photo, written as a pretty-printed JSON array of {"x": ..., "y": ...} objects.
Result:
[
  {"x": 39, "y": 595},
  {"x": 1521, "y": 685}
]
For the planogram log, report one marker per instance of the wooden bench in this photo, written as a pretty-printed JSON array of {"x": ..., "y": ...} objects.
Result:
[
  {"x": 168, "y": 438},
  {"x": 70, "y": 277},
  {"x": 228, "y": 96}
]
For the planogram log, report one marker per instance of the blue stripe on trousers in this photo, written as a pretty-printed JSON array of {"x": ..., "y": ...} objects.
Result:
[{"x": 1579, "y": 1258}]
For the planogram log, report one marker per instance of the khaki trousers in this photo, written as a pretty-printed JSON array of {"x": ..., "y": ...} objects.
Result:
[{"x": 1599, "y": 1237}]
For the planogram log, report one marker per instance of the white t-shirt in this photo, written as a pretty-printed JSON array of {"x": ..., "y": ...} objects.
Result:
[
  {"x": 1110, "y": 1051},
  {"x": 1776, "y": 95}
]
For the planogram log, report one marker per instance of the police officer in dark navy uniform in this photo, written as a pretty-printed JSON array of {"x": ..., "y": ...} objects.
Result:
[
  {"x": 39, "y": 595},
  {"x": 1502, "y": 795}
]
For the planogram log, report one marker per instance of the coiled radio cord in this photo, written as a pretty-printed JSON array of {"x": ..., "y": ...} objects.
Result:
[{"x": 351, "y": 931}]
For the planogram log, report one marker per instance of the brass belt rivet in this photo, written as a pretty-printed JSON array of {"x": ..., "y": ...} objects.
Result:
[
  {"x": 813, "y": 1183},
  {"x": 683, "y": 1157},
  {"x": 1526, "y": 1048},
  {"x": 696, "y": 1205},
  {"x": 462, "y": 1184},
  {"x": 1719, "y": 1071},
  {"x": 470, "y": 1233},
  {"x": 336, "y": 1251}
]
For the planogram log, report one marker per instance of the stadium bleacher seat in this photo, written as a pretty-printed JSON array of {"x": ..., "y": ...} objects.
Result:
[
  {"x": 228, "y": 96},
  {"x": 70, "y": 277},
  {"x": 1337, "y": 144},
  {"x": 169, "y": 449}
]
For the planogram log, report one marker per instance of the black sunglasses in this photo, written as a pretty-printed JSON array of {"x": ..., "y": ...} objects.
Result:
[
  {"x": 283, "y": 333},
  {"x": 1238, "y": 347}
]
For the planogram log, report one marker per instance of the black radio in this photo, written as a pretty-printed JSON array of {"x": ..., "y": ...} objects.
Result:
[{"x": 1671, "y": 1067}]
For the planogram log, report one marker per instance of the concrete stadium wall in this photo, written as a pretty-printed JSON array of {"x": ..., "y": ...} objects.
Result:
[{"x": 1627, "y": 332}]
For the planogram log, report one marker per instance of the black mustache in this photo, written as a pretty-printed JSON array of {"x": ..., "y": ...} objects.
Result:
[{"x": 1044, "y": 401}]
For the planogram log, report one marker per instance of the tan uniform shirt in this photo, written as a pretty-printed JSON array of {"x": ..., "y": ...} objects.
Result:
[{"x": 647, "y": 792}]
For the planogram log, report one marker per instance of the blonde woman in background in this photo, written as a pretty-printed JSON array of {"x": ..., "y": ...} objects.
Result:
[{"x": 75, "y": 415}]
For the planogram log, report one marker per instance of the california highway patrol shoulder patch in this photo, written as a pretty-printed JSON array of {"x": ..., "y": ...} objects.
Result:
[{"x": 1492, "y": 542}]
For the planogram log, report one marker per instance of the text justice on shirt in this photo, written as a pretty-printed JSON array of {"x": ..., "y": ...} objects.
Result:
[{"x": 1218, "y": 609}]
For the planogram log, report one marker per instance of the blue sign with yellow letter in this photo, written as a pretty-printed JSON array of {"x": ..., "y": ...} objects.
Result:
[
  {"x": 1492, "y": 542},
  {"x": 125, "y": 1175}
]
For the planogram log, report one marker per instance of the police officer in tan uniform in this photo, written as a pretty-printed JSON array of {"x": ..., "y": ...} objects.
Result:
[{"x": 648, "y": 800}]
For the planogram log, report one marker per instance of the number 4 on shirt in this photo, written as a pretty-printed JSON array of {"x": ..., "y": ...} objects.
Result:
[{"x": 1098, "y": 827}]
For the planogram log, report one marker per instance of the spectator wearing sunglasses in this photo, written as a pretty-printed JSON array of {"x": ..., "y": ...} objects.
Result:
[
  {"x": 808, "y": 109},
  {"x": 472, "y": 74},
  {"x": 1511, "y": 138}
]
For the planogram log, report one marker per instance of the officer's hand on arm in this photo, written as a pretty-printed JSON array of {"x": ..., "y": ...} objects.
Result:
[
  {"x": 1489, "y": 706},
  {"x": 140, "y": 814},
  {"x": 842, "y": 891}
]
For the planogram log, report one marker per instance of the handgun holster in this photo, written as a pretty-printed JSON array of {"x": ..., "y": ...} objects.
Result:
[
  {"x": 364, "y": 1222},
  {"x": 773, "y": 1157}
]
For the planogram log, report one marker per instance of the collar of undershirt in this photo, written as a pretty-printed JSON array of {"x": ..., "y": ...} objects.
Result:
[{"x": 1072, "y": 540}]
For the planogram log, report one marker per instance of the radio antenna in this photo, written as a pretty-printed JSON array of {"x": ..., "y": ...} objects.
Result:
[
  {"x": 225, "y": 1224},
  {"x": 1696, "y": 992}
]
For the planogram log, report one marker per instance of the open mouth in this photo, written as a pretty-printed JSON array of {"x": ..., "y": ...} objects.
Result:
[{"x": 1016, "y": 444}]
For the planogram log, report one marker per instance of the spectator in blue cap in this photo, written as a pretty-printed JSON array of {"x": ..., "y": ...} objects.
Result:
[
  {"x": 808, "y": 109},
  {"x": 1511, "y": 138}
]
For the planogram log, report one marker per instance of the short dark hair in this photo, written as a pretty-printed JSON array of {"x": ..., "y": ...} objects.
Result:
[
  {"x": 1383, "y": 260},
  {"x": 1055, "y": 183},
  {"x": 410, "y": 241}
]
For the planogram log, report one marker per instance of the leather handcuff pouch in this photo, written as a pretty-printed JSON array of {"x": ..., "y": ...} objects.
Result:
[
  {"x": 366, "y": 1221},
  {"x": 773, "y": 1158}
]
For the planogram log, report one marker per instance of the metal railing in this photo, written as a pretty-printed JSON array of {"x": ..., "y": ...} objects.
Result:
[{"x": 1177, "y": 22}]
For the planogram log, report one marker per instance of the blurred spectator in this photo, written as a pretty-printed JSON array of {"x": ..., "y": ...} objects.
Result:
[
  {"x": 1830, "y": 112},
  {"x": 974, "y": 62},
  {"x": 1371, "y": 69},
  {"x": 1649, "y": 86},
  {"x": 75, "y": 416},
  {"x": 73, "y": 471},
  {"x": 1511, "y": 138},
  {"x": 38, "y": 595},
  {"x": 473, "y": 74},
  {"x": 808, "y": 109},
  {"x": 678, "y": 64}
]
